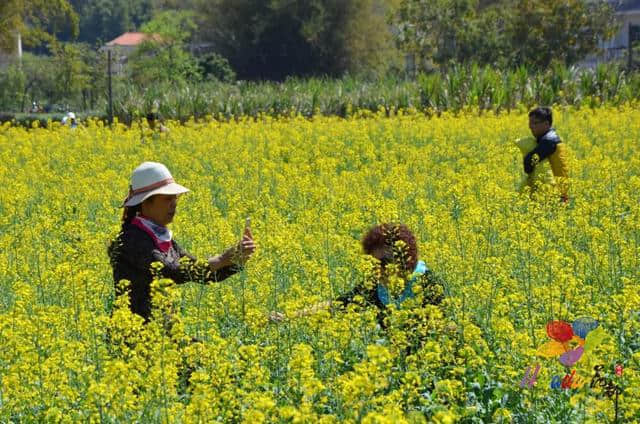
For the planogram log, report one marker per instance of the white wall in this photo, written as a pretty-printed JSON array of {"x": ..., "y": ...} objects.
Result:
[{"x": 621, "y": 39}]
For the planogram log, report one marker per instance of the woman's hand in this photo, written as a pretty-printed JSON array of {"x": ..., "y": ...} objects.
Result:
[
  {"x": 238, "y": 254},
  {"x": 246, "y": 246},
  {"x": 275, "y": 316}
]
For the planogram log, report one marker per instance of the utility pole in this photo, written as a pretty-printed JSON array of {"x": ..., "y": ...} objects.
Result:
[
  {"x": 630, "y": 47},
  {"x": 110, "y": 90},
  {"x": 19, "y": 47}
]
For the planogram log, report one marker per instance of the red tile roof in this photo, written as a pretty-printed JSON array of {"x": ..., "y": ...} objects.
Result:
[{"x": 131, "y": 39}]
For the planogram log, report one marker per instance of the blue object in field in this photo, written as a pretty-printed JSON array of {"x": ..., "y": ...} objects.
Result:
[
  {"x": 582, "y": 326},
  {"x": 383, "y": 292}
]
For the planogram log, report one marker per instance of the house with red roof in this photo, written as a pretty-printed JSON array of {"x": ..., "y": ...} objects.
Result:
[
  {"x": 123, "y": 46},
  {"x": 131, "y": 40}
]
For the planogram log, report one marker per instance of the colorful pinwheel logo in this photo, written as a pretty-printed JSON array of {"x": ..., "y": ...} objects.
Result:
[{"x": 571, "y": 341}]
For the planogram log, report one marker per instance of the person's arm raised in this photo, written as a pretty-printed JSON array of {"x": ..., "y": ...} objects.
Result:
[{"x": 235, "y": 255}]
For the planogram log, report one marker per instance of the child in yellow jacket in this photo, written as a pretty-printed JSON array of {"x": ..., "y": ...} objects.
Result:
[{"x": 549, "y": 145}]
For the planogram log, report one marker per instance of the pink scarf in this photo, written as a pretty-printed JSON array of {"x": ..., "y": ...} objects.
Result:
[{"x": 161, "y": 235}]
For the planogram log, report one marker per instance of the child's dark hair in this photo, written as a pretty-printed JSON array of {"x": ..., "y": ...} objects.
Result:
[
  {"x": 386, "y": 235},
  {"x": 542, "y": 114}
]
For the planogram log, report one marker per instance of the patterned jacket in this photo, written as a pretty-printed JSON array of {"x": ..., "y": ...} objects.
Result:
[
  {"x": 429, "y": 286},
  {"x": 132, "y": 253}
]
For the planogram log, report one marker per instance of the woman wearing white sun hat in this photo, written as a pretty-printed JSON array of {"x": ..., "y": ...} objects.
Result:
[{"x": 145, "y": 239}]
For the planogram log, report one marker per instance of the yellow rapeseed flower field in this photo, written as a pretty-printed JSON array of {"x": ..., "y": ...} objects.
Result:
[{"x": 71, "y": 351}]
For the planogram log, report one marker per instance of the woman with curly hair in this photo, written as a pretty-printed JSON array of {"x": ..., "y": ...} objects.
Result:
[{"x": 394, "y": 248}]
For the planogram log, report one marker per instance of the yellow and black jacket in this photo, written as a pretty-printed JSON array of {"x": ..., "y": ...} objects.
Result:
[{"x": 551, "y": 146}]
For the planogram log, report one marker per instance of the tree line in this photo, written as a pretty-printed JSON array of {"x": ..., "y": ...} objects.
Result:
[{"x": 202, "y": 40}]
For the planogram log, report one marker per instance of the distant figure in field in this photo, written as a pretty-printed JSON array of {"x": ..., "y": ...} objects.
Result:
[
  {"x": 396, "y": 253},
  {"x": 154, "y": 122},
  {"x": 70, "y": 119},
  {"x": 548, "y": 146},
  {"x": 154, "y": 130},
  {"x": 144, "y": 239}
]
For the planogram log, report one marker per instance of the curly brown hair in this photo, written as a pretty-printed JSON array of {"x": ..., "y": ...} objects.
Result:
[{"x": 386, "y": 235}]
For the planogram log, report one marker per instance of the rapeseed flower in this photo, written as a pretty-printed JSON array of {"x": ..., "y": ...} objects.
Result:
[{"x": 72, "y": 352}]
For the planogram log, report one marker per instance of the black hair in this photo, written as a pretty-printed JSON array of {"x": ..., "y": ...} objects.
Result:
[
  {"x": 128, "y": 214},
  {"x": 542, "y": 114}
]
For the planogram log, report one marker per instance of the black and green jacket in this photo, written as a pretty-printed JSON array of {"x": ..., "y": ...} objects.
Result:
[{"x": 131, "y": 256}]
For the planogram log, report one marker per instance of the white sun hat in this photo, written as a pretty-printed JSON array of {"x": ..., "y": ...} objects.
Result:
[{"x": 148, "y": 179}]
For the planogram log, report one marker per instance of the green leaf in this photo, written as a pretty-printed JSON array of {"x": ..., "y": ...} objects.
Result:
[{"x": 594, "y": 338}]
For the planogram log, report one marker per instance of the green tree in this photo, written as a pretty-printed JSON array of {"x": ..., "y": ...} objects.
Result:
[
  {"x": 503, "y": 32},
  {"x": 173, "y": 26},
  {"x": 163, "y": 57},
  {"x": 103, "y": 20},
  {"x": 96, "y": 89},
  {"x": 543, "y": 31},
  {"x": 484, "y": 40},
  {"x": 12, "y": 82},
  {"x": 365, "y": 40},
  {"x": 278, "y": 38},
  {"x": 214, "y": 66},
  {"x": 433, "y": 30},
  {"x": 36, "y": 20},
  {"x": 72, "y": 72},
  {"x": 73, "y": 75},
  {"x": 39, "y": 80}
]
